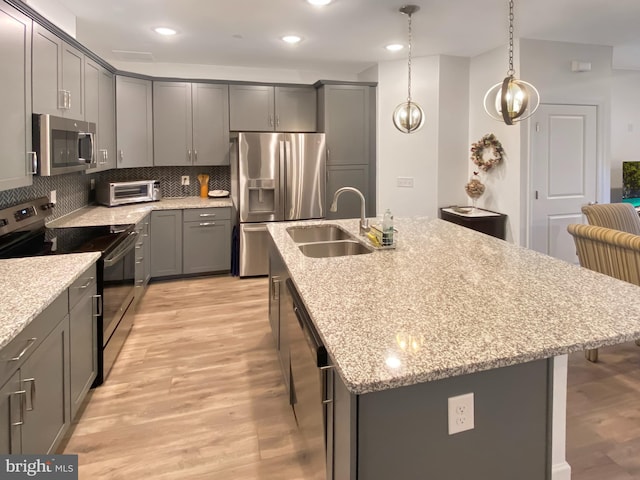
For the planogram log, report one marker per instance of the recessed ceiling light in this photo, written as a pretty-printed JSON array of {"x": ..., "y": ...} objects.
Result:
[
  {"x": 394, "y": 47},
  {"x": 165, "y": 31},
  {"x": 291, "y": 39},
  {"x": 319, "y": 3}
]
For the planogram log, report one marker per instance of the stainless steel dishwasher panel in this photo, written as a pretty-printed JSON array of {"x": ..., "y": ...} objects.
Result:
[{"x": 308, "y": 357}]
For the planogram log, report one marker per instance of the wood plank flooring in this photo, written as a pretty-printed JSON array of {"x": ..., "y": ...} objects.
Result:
[{"x": 196, "y": 393}]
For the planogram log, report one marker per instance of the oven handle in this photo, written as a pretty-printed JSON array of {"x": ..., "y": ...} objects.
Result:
[{"x": 126, "y": 246}]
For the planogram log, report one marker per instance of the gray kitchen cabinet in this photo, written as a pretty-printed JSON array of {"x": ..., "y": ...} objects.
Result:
[
  {"x": 16, "y": 165},
  {"x": 206, "y": 240},
  {"x": 190, "y": 124},
  {"x": 58, "y": 76},
  {"x": 37, "y": 360},
  {"x": 83, "y": 337},
  {"x": 278, "y": 275},
  {"x": 346, "y": 114},
  {"x": 339, "y": 176},
  {"x": 99, "y": 100},
  {"x": 264, "y": 108},
  {"x": 143, "y": 257},
  {"x": 166, "y": 243},
  {"x": 134, "y": 122}
]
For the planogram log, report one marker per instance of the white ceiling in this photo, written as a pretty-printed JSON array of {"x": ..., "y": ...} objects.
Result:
[{"x": 347, "y": 36}]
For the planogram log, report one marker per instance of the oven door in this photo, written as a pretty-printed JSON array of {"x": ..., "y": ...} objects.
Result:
[{"x": 117, "y": 294}]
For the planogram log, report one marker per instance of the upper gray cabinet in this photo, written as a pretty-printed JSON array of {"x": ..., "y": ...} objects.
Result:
[
  {"x": 190, "y": 124},
  {"x": 100, "y": 108},
  {"x": 58, "y": 76},
  {"x": 15, "y": 97},
  {"x": 134, "y": 122},
  {"x": 264, "y": 108}
]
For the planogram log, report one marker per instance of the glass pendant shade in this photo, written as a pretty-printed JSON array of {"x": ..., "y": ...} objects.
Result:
[
  {"x": 512, "y": 100},
  {"x": 408, "y": 117}
]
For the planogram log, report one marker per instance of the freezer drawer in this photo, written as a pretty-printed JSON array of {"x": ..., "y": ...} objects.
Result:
[{"x": 254, "y": 253}]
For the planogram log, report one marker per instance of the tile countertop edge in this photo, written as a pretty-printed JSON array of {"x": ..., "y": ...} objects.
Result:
[
  {"x": 29, "y": 295},
  {"x": 91, "y": 215},
  {"x": 528, "y": 312}
]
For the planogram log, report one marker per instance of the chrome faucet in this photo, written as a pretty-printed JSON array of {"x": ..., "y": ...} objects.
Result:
[{"x": 364, "y": 223}]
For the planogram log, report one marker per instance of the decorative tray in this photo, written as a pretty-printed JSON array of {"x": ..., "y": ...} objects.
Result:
[{"x": 218, "y": 193}]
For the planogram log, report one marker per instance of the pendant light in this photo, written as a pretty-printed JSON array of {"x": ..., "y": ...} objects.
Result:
[
  {"x": 408, "y": 117},
  {"x": 512, "y": 100}
]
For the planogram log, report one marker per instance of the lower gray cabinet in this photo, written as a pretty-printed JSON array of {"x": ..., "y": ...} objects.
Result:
[
  {"x": 166, "y": 246},
  {"x": 83, "y": 335},
  {"x": 278, "y": 275},
  {"x": 206, "y": 240},
  {"x": 10, "y": 432},
  {"x": 143, "y": 256}
]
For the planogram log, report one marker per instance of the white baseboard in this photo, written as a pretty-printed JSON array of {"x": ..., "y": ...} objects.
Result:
[{"x": 561, "y": 471}]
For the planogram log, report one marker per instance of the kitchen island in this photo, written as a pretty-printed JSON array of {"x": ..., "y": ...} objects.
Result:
[{"x": 451, "y": 311}]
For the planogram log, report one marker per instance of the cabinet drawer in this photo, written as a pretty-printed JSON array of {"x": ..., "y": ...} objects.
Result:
[
  {"x": 204, "y": 214},
  {"x": 26, "y": 342},
  {"x": 83, "y": 285}
]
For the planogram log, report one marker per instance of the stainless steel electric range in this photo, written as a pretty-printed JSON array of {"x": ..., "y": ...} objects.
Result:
[{"x": 23, "y": 234}]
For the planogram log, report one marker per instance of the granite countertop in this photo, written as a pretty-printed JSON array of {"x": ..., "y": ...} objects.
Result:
[
  {"x": 124, "y": 214},
  {"x": 451, "y": 301},
  {"x": 29, "y": 285}
]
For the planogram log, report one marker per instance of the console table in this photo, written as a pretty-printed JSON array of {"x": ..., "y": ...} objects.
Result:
[{"x": 479, "y": 219}]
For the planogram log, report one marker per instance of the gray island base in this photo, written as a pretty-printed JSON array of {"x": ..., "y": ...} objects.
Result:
[{"x": 449, "y": 312}]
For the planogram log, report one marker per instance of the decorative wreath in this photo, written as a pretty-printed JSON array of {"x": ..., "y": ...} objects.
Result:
[{"x": 487, "y": 143}]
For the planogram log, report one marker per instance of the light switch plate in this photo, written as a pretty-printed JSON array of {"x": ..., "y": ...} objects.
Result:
[{"x": 406, "y": 182}]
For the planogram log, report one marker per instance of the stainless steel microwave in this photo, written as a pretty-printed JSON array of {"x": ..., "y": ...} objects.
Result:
[
  {"x": 121, "y": 193},
  {"x": 62, "y": 145}
]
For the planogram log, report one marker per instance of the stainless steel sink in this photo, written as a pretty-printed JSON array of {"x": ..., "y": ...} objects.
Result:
[
  {"x": 338, "y": 248},
  {"x": 318, "y": 233}
]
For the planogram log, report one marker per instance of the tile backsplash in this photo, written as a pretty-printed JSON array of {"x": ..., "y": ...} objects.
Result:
[{"x": 73, "y": 190}]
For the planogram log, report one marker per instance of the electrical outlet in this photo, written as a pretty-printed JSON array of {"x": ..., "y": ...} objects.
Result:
[
  {"x": 93, "y": 184},
  {"x": 461, "y": 416},
  {"x": 185, "y": 180},
  {"x": 52, "y": 196},
  {"x": 405, "y": 182}
]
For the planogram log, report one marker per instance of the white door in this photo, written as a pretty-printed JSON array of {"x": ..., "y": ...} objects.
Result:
[{"x": 563, "y": 174}]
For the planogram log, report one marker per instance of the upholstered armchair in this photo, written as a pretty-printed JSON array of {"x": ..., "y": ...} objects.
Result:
[
  {"x": 609, "y": 251},
  {"x": 619, "y": 216}
]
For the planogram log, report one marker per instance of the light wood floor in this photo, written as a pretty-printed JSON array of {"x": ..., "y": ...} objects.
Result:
[{"x": 196, "y": 393}]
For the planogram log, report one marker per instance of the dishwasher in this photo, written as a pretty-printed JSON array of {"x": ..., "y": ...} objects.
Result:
[{"x": 309, "y": 361}]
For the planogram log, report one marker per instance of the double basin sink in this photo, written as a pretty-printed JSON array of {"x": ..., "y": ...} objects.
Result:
[{"x": 326, "y": 240}]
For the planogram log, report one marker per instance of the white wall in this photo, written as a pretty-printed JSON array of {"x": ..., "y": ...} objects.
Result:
[
  {"x": 56, "y": 13},
  {"x": 408, "y": 155}
]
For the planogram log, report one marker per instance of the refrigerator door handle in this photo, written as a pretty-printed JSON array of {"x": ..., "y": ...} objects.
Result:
[
  {"x": 284, "y": 172},
  {"x": 258, "y": 228}
]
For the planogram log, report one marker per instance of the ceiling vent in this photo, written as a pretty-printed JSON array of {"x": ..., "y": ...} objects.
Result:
[{"x": 131, "y": 56}]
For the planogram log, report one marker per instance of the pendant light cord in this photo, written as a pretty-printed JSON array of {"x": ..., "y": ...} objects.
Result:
[
  {"x": 511, "y": 71},
  {"x": 409, "y": 83}
]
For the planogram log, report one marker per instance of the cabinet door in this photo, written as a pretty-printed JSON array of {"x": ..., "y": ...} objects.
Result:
[
  {"x": 106, "y": 122},
  {"x": 83, "y": 349},
  {"x": 347, "y": 176},
  {"x": 147, "y": 249},
  {"x": 73, "y": 81},
  {"x": 172, "y": 124},
  {"x": 166, "y": 247},
  {"x": 15, "y": 98},
  {"x": 251, "y": 108},
  {"x": 11, "y": 416},
  {"x": 46, "y": 416},
  {"x": 210, "y": 104},
  {"x": 134, "y": 121},
  {"x": 295, "y": 109},
  {"x": 346, "y": 121},
  {"x": 207, "y": 246},
  {"x": 47, "y": 71},
  {"x": 92, "y": 104}
]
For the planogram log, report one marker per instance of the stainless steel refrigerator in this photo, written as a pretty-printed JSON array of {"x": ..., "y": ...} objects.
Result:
[{"x": 280, "y": 177}]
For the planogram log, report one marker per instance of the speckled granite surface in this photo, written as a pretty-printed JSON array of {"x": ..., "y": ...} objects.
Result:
[
  {"x": 100, "y": 215},
  {"x": 450, "y": 301},
  {"x": 29, "y": 285}
]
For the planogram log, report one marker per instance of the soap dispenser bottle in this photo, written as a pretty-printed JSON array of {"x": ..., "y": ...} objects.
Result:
[{"x": 387, "y": 229}]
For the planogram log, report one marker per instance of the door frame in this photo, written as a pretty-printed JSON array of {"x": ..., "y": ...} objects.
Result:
[{"x": 603, "y": 168}]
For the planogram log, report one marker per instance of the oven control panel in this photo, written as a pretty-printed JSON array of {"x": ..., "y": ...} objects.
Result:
[
  {"x": 25, "y": 213},
  {"x": 25, "y": 216}
]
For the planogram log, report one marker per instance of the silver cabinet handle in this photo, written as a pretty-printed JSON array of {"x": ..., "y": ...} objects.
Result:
[
  {"x": 207, "y": 214},
  {"x": 195, "y": 156},
  {"x": 325, "y": 386},
  {"x": 275, "y": 282},
  {"x": 189, "y": 156},
  {"x": 68, "y": 99},
  {"x": 139, "y": 282},
  {"x": 62, "y": 99},
  {"x": 270, "y": 120},
  {"x": 29, "y": 344},
  {"x": 86, "y": 285},
  {"x": 121, "y": 155},
  {"x": 31, "y": 397},
  {"x": 207, "y": 224},
  {"x": 98, "y": 304},
  {"x": 277, "y": 120},
  {"x": 32, "y": 159},
  {"x": 21, "y": 405}
]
